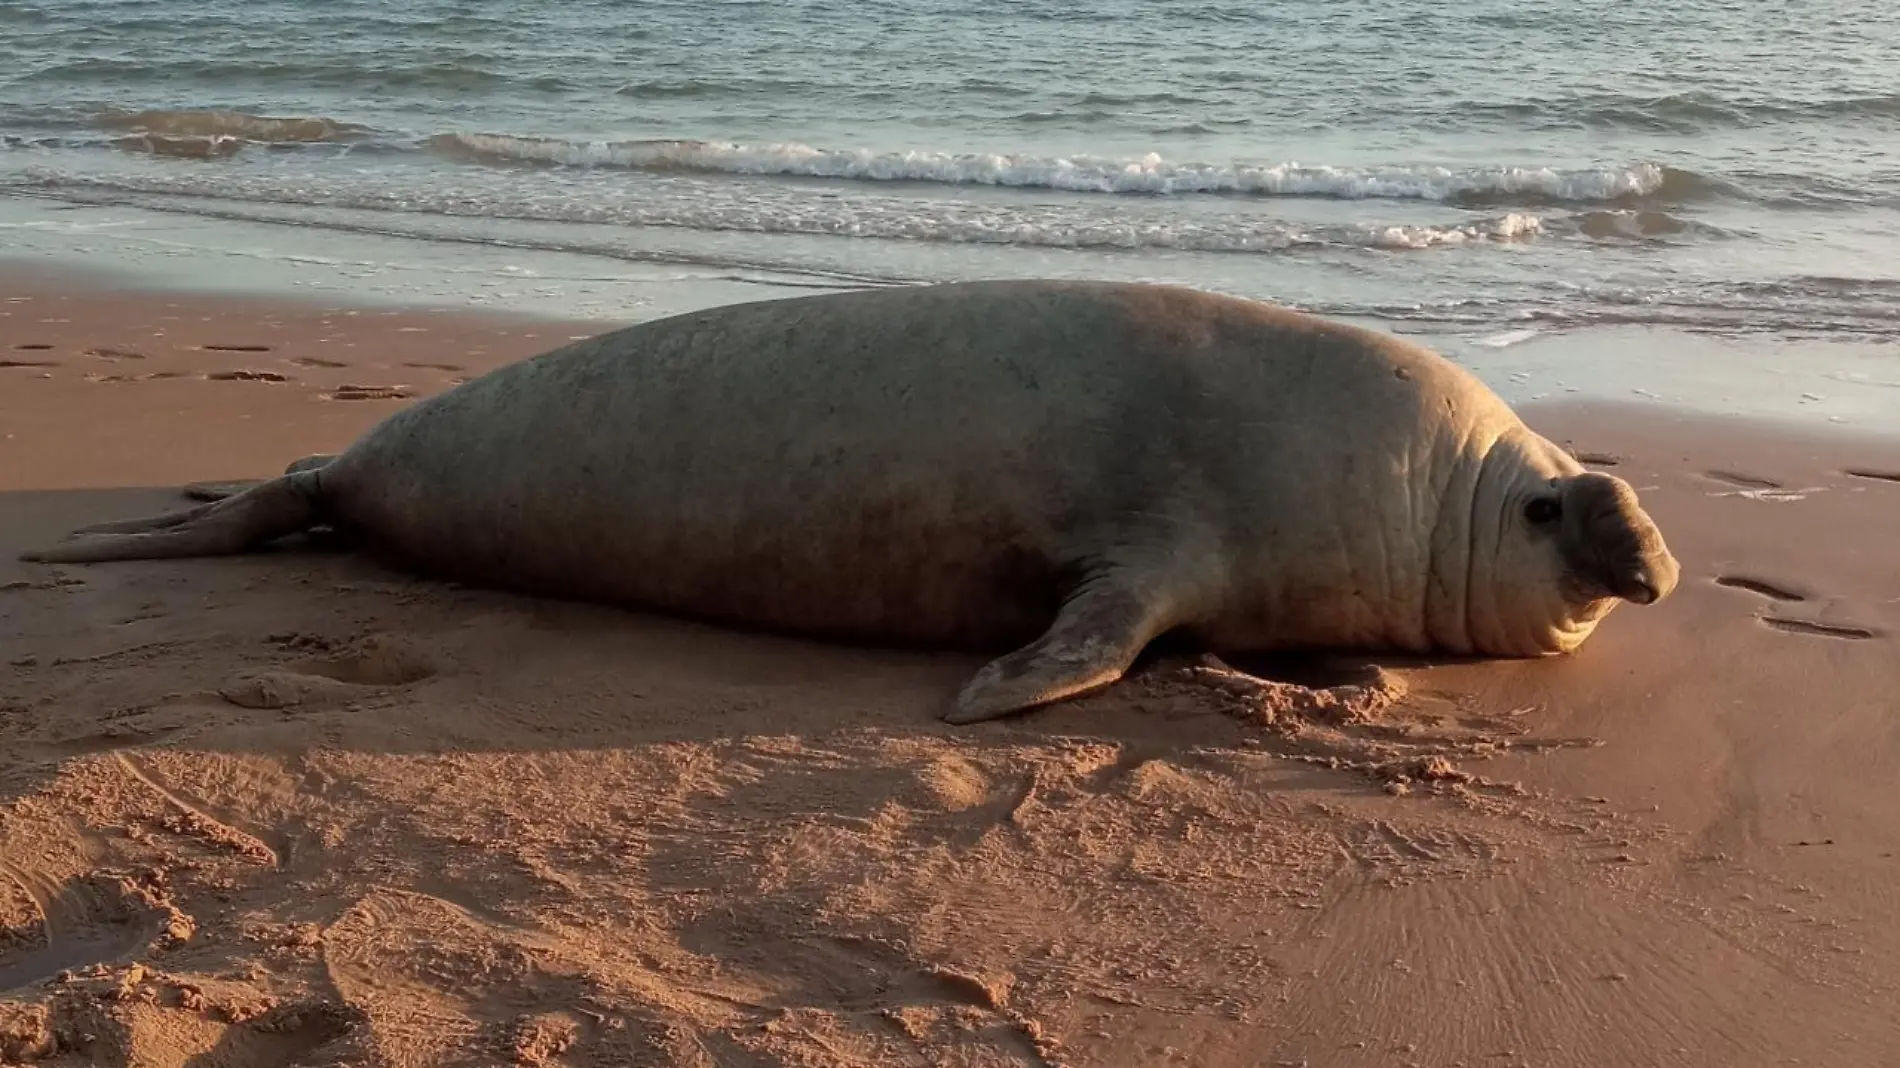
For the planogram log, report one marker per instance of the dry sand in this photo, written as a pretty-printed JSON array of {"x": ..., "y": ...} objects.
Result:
[{"x": 296, "y": 809}]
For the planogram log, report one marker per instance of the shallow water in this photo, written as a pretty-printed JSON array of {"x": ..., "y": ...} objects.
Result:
[{"x": 1484, "y": 166}]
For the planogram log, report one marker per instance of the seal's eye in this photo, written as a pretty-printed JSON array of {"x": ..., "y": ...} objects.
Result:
[{"x": 1542, "y": 510}]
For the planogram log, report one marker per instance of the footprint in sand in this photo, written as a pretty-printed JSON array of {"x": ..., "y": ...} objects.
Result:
[
  {"x": 316, "y": 361},
  {"x": 30, "y": 363},
  {"x": 448, "y": 367},
  {"x": 357, "y": 393},
  {"x": 377, "y": 660},
  {"x": 1598, "y": 459},
  {"x": 1758, "y": 586},
  {"x": 843, "y": 976},
  {"x": 1756, "y": 488},
  {"x": 115, "y": 354},
  {"x": 228, "y": 1026},
  {"x": 369, "y": 665},
  {"x": 1820, "y": 630},
  {"x": 246, "y": 376},
  {"x": 951, "y": 783},
  {"x": 294, "y": 1032},
  {"x": 1744, "y": 481},
  {"x": 1876, "y": 476},
  {"x": 1782, "y": 594},
  {"x": 66, "y": 925},
  {"x": 235, "y": 348}
]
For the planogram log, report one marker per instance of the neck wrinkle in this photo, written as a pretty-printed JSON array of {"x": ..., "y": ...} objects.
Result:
[{"x": 1451, "y": 557}]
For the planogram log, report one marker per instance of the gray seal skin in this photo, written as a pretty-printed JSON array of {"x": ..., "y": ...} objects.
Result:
[{"x": 1065, "y": 469}]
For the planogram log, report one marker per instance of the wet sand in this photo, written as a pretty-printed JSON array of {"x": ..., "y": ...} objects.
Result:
[{"x": 296, "y": 808}]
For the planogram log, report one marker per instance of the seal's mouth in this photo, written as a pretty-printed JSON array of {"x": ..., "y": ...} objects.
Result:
[{"x": 1597, "y": 588}]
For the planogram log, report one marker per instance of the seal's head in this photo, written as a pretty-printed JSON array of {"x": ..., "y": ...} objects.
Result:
[{"x": 1567, "y": 547}]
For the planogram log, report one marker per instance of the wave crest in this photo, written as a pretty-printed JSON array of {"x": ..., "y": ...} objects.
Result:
[
  {"x": 705, "y": 206},
  {"x": 1150, "y": 174},
  {"x": 1687, "y": 112}
]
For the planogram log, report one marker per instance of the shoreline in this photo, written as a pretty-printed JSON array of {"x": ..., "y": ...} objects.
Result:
[{"x": 1727, "y": 379}]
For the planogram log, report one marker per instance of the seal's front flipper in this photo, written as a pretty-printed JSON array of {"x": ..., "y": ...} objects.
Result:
[
  {"x": 261, "y": 514},
  {"x": 1097, "y": 634}
]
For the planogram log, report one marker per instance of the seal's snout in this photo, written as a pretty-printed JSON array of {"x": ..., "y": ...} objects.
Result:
[{"x": 1613, "y": 545}]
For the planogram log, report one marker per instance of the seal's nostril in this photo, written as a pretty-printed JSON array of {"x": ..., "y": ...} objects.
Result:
[{"x": 1646, "y": 583}]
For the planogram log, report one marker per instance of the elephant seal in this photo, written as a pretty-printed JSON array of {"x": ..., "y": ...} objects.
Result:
[{"x": 1063, "y": 469}]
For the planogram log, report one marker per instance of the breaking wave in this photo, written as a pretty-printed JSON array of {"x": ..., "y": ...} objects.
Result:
[
  {"x": 219, "y": 134},
  {"x": 697, "y": 204},
  {"x": 1149, "y": 174}
]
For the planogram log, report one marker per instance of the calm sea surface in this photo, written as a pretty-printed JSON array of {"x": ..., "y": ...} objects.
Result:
[{"x": 1489, "y": 164}]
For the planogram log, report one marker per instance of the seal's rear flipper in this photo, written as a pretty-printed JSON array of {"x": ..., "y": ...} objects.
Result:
[
  {"x": 217, "y": 491},
  {"x": 258, "y": 515},
  {"x": 1096, "y": 636}
]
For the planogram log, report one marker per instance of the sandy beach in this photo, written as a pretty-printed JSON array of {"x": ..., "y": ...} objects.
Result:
[{"x": 294, "y": 808}]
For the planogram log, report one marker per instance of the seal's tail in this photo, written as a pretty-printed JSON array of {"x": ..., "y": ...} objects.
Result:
[{"x": 244, "y": 521}]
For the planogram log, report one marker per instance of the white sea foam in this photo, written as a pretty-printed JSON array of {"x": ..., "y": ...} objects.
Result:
[
  {"x": 1506, "y": 339},
  {"x": 1504, "y": 228},
  {"x": 1149, "y": 174},
  {"x": 701, "y": 204}
]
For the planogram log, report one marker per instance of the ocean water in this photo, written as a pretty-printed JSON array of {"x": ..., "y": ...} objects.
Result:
[{"x": 1488, "y": 165}]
